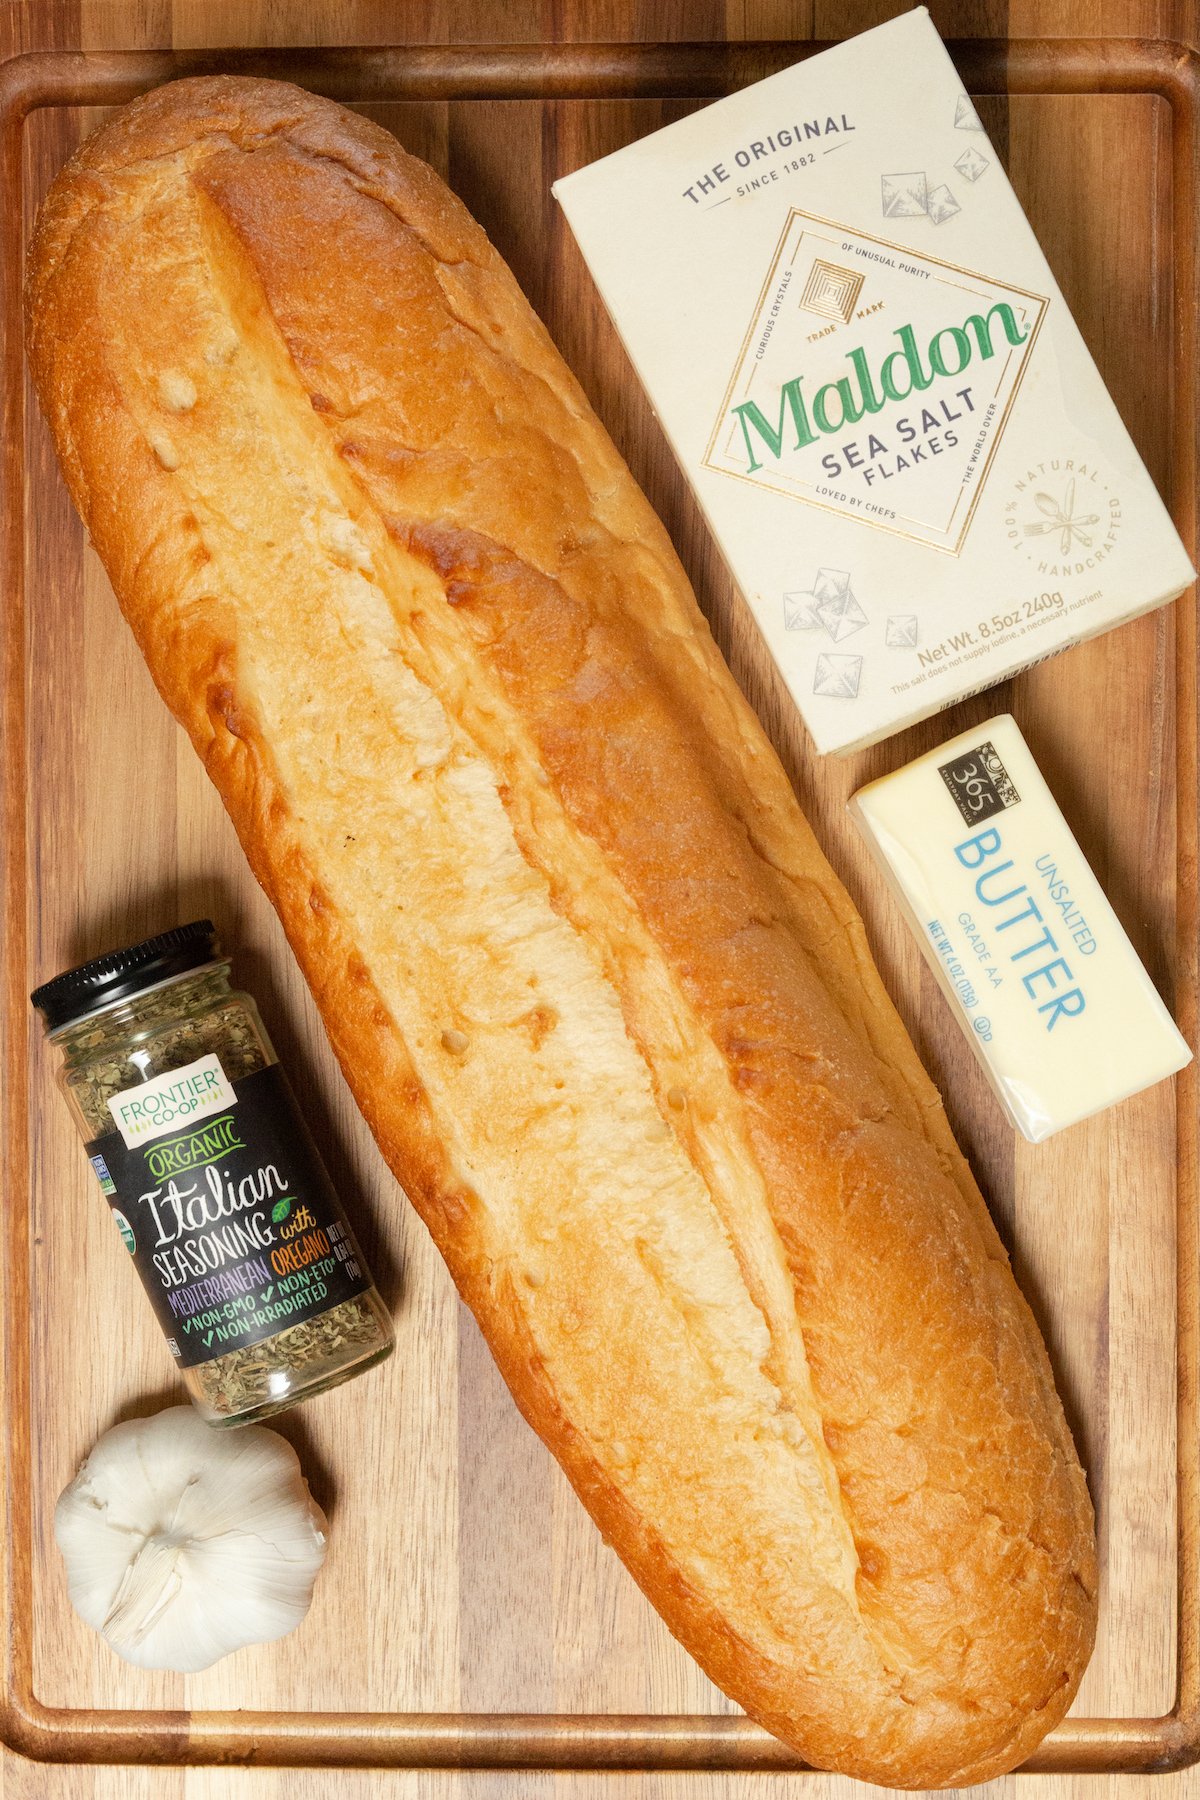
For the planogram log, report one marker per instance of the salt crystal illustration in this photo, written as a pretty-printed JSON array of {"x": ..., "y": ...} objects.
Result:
[
  {"x": 905, "y": 196},
  {"x": 830, "y": 602},
  {"x": 900, "y": 632},
  {"x": 831, "y": 584},
  {"x": 971, "y": 164},
  {"x": 841, "y": 615},
  {"x": 799, "y": 612},
  {"x": 837, "y": 677},
  {"x": 965, "y": 116},
  {"x": 942, "y": 204}
]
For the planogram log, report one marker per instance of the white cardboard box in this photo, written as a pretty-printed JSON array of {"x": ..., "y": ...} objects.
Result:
[{"x": 873, "y": 383}]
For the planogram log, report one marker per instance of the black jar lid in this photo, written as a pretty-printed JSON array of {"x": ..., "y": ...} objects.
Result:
[{"x": 122, "y": 973}]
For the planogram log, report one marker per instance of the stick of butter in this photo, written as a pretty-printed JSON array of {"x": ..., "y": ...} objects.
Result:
[{"x": 1015, "y": 926}]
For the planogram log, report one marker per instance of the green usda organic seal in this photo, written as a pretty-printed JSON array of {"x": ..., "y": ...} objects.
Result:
[{"x": 126, "y": 1231}]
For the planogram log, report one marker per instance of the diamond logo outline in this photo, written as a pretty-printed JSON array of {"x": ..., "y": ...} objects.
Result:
[{"x": 832, "y": 291}]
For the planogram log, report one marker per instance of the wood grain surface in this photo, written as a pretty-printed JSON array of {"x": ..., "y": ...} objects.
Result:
[{"x": 463, "y": 1576}]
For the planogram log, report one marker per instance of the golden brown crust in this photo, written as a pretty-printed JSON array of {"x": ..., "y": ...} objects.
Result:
[{"x": 843, "y": 1476}]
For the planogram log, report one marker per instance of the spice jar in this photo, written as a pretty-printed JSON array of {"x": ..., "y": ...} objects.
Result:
[{"x": 212, "y": 1176}]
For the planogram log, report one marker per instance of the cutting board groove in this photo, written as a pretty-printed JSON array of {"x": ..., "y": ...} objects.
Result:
[{"x": 469, "y": 1614}]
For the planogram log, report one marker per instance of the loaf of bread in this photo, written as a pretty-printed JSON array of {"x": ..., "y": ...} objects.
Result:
[{"x": 609, "y": 1013}]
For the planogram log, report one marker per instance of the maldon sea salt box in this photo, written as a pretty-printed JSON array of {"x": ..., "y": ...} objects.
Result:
[{"x": 871, "y": 379}]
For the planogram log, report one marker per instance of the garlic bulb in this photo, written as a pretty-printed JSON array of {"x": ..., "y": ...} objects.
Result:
[{"x": 183, "y": 1543}]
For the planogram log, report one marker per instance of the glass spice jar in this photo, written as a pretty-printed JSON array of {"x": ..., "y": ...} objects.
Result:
[{"x": 212, "y": 1176}]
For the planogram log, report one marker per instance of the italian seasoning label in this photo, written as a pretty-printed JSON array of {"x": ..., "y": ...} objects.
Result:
[{"x": 232, "y": 1222}]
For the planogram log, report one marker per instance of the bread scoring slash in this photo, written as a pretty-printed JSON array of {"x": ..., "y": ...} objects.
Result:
[{"x": 603, "y": 1002}]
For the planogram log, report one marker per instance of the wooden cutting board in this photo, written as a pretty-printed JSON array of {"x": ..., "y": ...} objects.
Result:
[{"x": 465, "y": 1589}]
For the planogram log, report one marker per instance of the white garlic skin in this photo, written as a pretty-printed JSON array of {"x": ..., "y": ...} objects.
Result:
[{"x": 183, "y": 1543}]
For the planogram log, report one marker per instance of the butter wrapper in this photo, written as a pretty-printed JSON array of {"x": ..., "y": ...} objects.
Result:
[
  {"x": 1050, "y": 992},
  {"x": 873, "y": 383}
]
